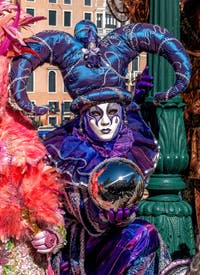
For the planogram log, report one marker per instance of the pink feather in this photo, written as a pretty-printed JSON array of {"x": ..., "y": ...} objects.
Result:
[
  {"x": 13, "y": 18},
  {"x": 27, "y": 184}
]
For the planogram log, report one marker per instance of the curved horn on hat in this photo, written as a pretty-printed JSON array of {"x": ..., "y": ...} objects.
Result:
[
  {"x": 130, "y": 40},
  {"x": 46, "y": 47},
  {"x": 116, "y": 50}
]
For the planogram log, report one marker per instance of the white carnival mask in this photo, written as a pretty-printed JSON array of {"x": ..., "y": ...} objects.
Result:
[{"x": 103, "y": 121}]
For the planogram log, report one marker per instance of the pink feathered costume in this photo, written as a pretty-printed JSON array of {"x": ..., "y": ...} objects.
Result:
[{"x": 28, "y": 187}]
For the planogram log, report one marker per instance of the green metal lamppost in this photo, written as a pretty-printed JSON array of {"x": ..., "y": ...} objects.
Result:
[{"x": 165, "y": 207}]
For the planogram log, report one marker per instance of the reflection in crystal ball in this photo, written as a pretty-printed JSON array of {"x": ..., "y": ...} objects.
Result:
[{"x": 115, "y": 183}]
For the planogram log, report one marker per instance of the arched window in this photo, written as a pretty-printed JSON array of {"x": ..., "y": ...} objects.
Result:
[{"x": 52, "y": 82}]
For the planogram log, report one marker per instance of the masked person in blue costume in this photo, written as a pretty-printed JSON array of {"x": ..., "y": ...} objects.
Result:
[{"x": 108, "y": 134}]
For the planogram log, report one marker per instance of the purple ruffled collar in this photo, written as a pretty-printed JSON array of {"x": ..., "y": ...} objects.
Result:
[{"x": 120, "y": 147}]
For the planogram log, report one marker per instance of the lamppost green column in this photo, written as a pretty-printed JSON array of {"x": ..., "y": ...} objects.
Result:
[{"x": 165, "y": 207}]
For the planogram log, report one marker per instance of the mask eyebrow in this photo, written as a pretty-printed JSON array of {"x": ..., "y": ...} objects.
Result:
[{"x": 113, "y": 106}]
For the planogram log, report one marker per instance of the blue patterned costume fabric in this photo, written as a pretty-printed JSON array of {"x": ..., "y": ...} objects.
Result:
[
  {"x": 95, "y": 246},
  {"x": 97, "y": 75},
  {"x": 94, "y": 72}
]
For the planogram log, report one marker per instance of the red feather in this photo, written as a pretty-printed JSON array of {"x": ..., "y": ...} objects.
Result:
[
  {"x": 27, "y": 184},
  {"x": 28, "y": 187}
]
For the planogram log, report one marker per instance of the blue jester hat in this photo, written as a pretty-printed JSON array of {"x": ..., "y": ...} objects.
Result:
[{"x": 94, "y": 70}]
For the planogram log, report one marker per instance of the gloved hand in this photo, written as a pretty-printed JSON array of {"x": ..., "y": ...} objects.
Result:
[
  {"x": 121, "y": 216},
  {"x": 45, "y": 242},
  {"x": 143, "y": 85}
]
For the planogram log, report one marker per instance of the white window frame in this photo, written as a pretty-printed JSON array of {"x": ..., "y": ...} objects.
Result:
[
  {"x": 88, "y": 5},
  {"x": 88, "y": 13},
  {"x": 31, "y": 92},
  {"x": 66, "y": 3},
  {"x": 53, "y": 116},
  {"x": 57, "y": 101},
  {"x": 52, "y": 70},
  {"x": 97, "y": 20},
  {"x": 69, "y": 112},
  {"x": 64, "y": 18},
  {"x": 56, "y": 18}
]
